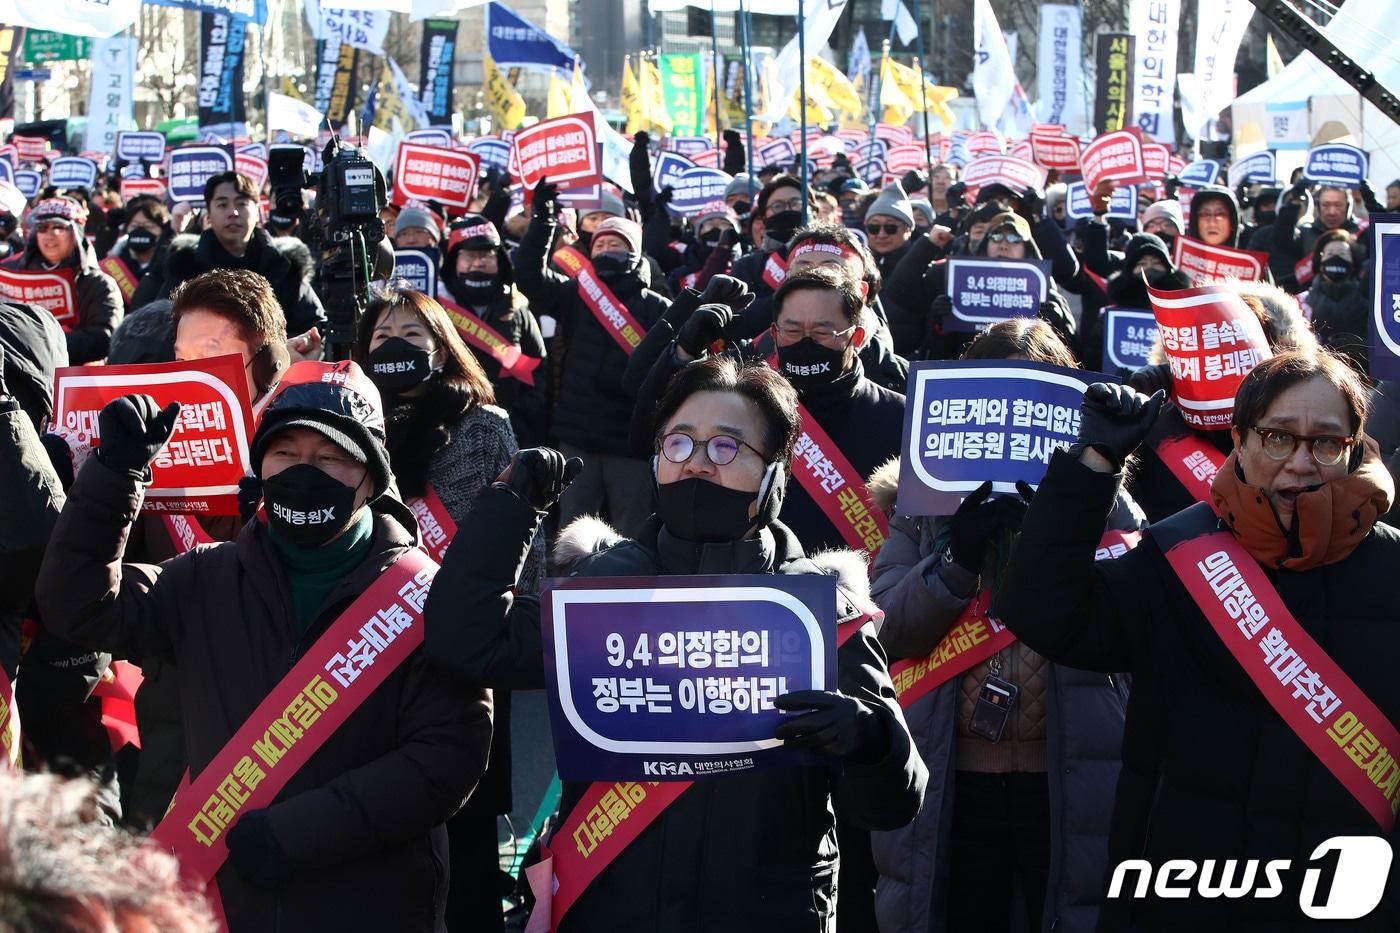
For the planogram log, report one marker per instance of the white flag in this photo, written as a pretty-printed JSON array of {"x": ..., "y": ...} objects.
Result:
[
  {"x": 993, "y": 77},
  {"x": 296, "y": 117},
  {"x": 904, "y": 26},
  {"x": 1220, "y": 28},
  {"x": 821, "y": 17},
  {"x": 110, "y": 96},
  {"x": 1059, "y": 66},
  {"x": 100, "y": 18},
  {"x": 360, "y": 29},
  {"x": 1154, "y": 23}
]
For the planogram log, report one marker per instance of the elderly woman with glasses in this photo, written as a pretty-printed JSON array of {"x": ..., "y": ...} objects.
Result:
[
  {"x": 1259, "y": 630},
  {"x": 745, "y": 851}
]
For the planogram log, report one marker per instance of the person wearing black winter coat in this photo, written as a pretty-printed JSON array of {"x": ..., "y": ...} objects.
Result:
[
  {"x": 744, "y": 851},
  {"x": 1145, "y": 255}
]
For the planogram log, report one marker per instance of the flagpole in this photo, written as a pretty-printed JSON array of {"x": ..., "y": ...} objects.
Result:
[
  {"x": 802, "y": 94},
  {"x": 714, "y": 53},
  {"x": 748, "y": 91},
  {"x": 877, "y": 110},
  {"x": 923, "y": 88}
]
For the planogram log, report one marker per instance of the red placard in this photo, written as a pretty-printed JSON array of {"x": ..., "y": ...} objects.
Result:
[
  {"x": 52, "y": 290},
  {"x": 255, "y": 167},
  {"x": 1048, "y": 129},
  {"x": 431, "y": 173},
  {"x": 1022, "y": 151},
  {"x": 1212, "y": 340},
  {"x": 1303, "y": 271},
  {"x": 1115, "y": 157},
  {"x": 894, "y": 134},
  {"x": 564, "y": 150},
  {"x": 1176, "y": 165},
  {"x": 131, "y": 187},
  {"x": 1016, "y": 174},
  {"x": 10, "y": 154},
  {"x": 31, "y": 148},
  {"x": 1058, "y": 152},
  {"x": 708, "y": 158},
  {"x": 199, "y": 469},
  {"x": 1156, "y": 160},
  {"x": 1204, "y": 263},
  {"x": 902, "y": 158},
  {"x": 984, "y": 141}
]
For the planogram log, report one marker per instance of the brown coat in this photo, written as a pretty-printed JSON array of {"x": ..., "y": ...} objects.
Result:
[{"x": 361, "y": 822}]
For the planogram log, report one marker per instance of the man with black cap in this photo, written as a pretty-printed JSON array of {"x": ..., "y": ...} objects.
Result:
[
  {"x": 477, "y": 274},
  {"x": 357, "y": 804}
]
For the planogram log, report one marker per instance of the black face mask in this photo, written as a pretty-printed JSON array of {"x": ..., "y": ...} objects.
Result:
[
  {"x": 809, "y": 365},
  {"x": 397, "y": 365},
  {"x": 610, "y": 266},
  {"x": 696, "y": 509},
  {"x": 479, "y": 288},
  {"x": 1337, "y": 268},
  {"x": 741, "y": 207},
  {"x": 782, "y": 225},
  {"x": 140, "y": 239},
  {"x": 711, "y": 237},
  {"x": 307, "y": 506}
]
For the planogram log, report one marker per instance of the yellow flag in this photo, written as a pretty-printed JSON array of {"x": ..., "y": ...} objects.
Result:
[
  {"x": 818, "y": 110},
  {"x": 559, "y": 102},
  {"x": 507, "y": 106},
  {"x": 834, "y": 86},
  {"x": 1273, "y": 60},
  {"x": 895, "y": 106},
  {"x": 655, "y": 96},
  {"x": 632, "y": 98},
  {"x": 578, "y": 91},
  {"x": 290, "y": 89},
  {"x": 938, "y": 97}
]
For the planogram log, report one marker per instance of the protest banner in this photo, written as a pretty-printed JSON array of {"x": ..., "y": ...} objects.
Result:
[
  {"x": 29, "y": 182},
  {"x": 1129, "y": 334},
  {"x": 1156, "y": 160},
  {"x": 490, "y": 152},
  {"x": 969, "y": 421},
  {"x": 199, "y": 468},
  {"x": 429, "y": 173},
  {"x": 894, "y": 134},
  {"x": 1212, "y": 340},
  {"x": 696, "y": 188},
  {"x": 1122, "y": 205},
  {"x": 1114, "y": 157},
  {"x": 419, "y": 268},
  {"x": 563, "y": 150},
  {"x": 1336, "y": 164},
  {"x": 985, "y": 291},
  {"x": 673, "y": 678},
  {"x": 780, "y": 152},
  {"x": 688, "y": 145},
  {"x": 189, "y": 167},
  {"x": 141, "y": 146},
  {"x": 73, "y": 172},
  {"x": 1384, "y": 359},
  {"x": 1016, "y": 174},
  {"x": 1054, "y": 151},
  {"x": 904, "y": 157},
  {"x": 252, "y": 165},
  {"x": 1114, "y": 56},
  {"x": 439, "y": 136},
  {"x": 706, "y": 158},
  {"x": 1259, "y": 168},
  {"x": 31, "y": 148},
  {"x": 668, "y": 169},
  {"x": 983, "y": 141},
  {"x": 7, "y": 175},
  {"x": 51, "y": 290},
  {"x": 1200, "y": 173},
  {"x": 874, "y": 149},
  {"x": 9, "y": 154},
  {"x": 873, "y": 171},
  {"x": 1203, "y": 263}
]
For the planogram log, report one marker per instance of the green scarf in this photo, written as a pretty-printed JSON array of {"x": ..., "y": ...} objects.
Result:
[{"x": 313, "y": 572}]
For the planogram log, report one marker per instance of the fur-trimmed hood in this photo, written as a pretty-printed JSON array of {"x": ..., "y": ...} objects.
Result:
[
  {"x": 883, "y": 485},
  {"x": 589, "y": 535},
  {"x": 280, "y": 258}
]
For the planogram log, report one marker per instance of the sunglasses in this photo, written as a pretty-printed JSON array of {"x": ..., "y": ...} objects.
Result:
[
  {"x": 721, "y": 449},
  {"x": 886, "y": 229},
  {"x": 1325, "y": 449},
  {"x": 1006, "y": 237}
]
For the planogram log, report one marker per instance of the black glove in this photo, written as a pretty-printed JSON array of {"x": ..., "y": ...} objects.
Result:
[
  {"x": 1032, "y": 202},
  {"x": 941, "y": 307},
  {"x": 665, "y": 195},
  {"x": 734, "y": 154},
  {"x": 1172, "y": 184},
  {"x": 1149, "y": 379},
  {"x": 728, "y": 238},
  {"x": 957, "y": 191},
  {"x": 971, "y": 527},
  {"x": 913, "y": 180},
  {"x": 727, "y": 290},
  {"x": 256, "y": 854},
  {"x": 639, "y": 165},
  {"x": 539, "y": 476},
  {"x": 132, "y": 430},
  {"x": 546, "y": 199},
  {"x": 1300, "y": 190},
  {"x": 839, "y": 726},
  {"x": 704, "y": 327},
  {"x": 1114, "y": 419},
  {"x": 250, "y": 490},
  {"x": 61, "y": 456}
]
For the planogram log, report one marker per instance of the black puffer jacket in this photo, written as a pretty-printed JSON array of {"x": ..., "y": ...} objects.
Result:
[
  {"x": 594, "y": 409},
  {"x": 527, "y": 405},
  {"x": 1210, "y": 770},
  {"x": 284, "y": 261},
  {"x": 99, "y": 300},
  {"x": 744, "y": 852}
]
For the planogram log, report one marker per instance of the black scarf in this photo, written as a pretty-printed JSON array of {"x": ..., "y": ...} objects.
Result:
[{"x": 418, "y": 428}]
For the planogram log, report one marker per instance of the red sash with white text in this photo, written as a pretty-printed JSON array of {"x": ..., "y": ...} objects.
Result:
[
  {"x": 1192, "y": 461},
  {"x": 9, "y": 722},
  {"x": 481, "y": 336},
  {"x": 603, "y": 823},
  {"x": 606, "y": 307},
  {"x": 1336, "y": 721},
  {"x": 121, "y": 273},
  {"x": 774, "y": 270},
  {"x": 185, "y": 531},
  {"x": 975, "y": 637},
  {"x": 436, "y": 525},
  {"x": 349, "y": 660}
]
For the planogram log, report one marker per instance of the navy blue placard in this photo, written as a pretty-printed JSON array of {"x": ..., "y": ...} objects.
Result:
[
  {"x": 134, "y": 146},
  {"x": 1336, "y": 164},
  {"x": 985, "y": 291},
  {"x": 1129, "y": 335},
  {"x": 674, "y": 677},
  {"x": 1384, "y": 359},
  {"x": 417, "y": 267},
  {"x": 191, "y": 166}
]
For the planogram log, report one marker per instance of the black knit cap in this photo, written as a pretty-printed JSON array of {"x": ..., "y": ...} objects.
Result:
[{"x": 338, "y": 401}]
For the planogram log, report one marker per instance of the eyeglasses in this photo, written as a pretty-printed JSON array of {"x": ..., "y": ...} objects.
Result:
[
  {"x": 777, "y": 207},
  {"x": 1326, "y": 449},
  {"x": 721, "y": 449},
  {"x": 1006, "y": 236},
  {"x": 886, "y": 229},
  {"x": 1215, "y": 214},
  {"x": 790, "y": 333}
]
